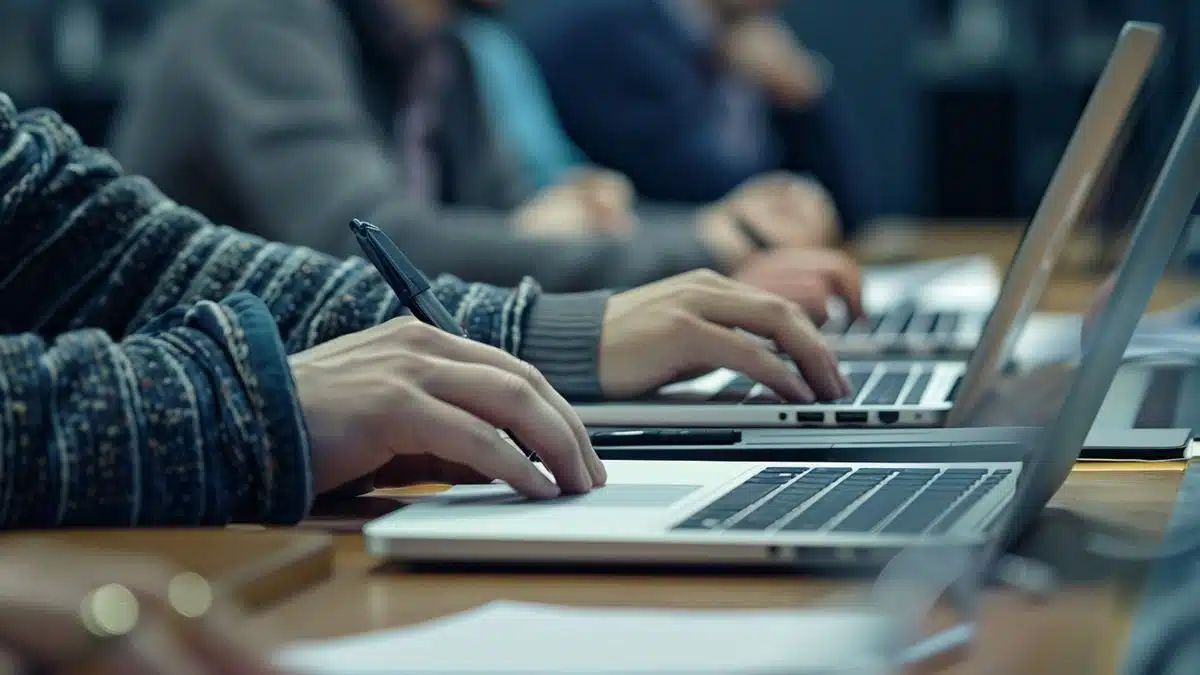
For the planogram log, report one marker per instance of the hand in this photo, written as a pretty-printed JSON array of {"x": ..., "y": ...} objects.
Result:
[
  {"x": 43, "y": 587},
  {"x": 763, "y": 49},
  {"x": 681, "y": 327},
  {"x": 590, "y": 201},
  {"x": 808, "y": 277},
  {"x": 784, "y": 210},
  {"x": 404, "y": 389}
]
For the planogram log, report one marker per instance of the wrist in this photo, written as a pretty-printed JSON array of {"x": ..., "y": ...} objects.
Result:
[{"x": 561, "y": 338}]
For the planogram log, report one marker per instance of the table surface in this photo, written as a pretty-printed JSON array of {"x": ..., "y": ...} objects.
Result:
[{"x": 1077, "y": 631}]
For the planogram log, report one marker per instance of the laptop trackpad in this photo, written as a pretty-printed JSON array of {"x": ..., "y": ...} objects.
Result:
[{"x": 620, "y": 496}]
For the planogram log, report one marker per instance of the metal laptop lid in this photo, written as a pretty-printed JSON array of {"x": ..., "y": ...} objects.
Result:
[
  {"x": 1073, "y": 189},
  {"x": 1062, "y": 400}
]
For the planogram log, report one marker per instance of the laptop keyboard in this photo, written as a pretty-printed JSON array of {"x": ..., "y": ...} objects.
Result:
[
  {"x": 883, "y": 385},
  {"x": 900, "y": 501},
  {"x": 901, "y": 321}
]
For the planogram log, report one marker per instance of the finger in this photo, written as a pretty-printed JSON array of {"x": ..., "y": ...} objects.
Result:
[
  {"x": 810, "y": 293},
  {"x": 845, "y": 280},
  {"x": 777, "y": 319},
  {"x": 510, "y": 402},
  {"x": 458, "y": 436},
  {"x": 463, "y": 350},
  {"x": 710, "y": 347}
]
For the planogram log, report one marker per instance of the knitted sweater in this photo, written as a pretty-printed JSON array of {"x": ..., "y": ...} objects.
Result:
[{"x": 143, "y": 350}]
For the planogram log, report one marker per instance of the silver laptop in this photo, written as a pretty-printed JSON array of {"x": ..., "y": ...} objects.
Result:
[
  {"x": 914, "y": 328},
  {"x": 924, "y": 393},
  {"x": 814, "y": 513},
  {"x": 929, "y": 309}
]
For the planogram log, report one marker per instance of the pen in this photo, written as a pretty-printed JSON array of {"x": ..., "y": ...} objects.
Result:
[{"x": 412, "y": 287}]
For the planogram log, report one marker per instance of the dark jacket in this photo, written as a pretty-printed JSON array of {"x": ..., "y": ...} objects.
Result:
[
  {"x": 275, "y": 117},
  {"x": 143, "y": 351},
  {"x": 637, "y": 93}
]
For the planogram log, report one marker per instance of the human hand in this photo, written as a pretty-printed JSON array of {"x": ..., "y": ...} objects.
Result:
[
  {"x": 763, "y": 49},
  {"x": 807, "y": 277},
  {"x": 682, "y": 326},
  {"x": 70, "y": 610},
  {"x": 780, "y": 208},
  {"x": 589, "y": 201},
  {"x": 406, "y": 389}
]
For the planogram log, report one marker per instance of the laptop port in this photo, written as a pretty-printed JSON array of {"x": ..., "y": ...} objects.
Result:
[
  {"x": 851, "y": 417},
  {"x": 889, "y": 416},
  {"x": 810, "y": 417}
]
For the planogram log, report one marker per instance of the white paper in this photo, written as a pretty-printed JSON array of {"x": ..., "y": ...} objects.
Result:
[{"x": 510, "y": 638}]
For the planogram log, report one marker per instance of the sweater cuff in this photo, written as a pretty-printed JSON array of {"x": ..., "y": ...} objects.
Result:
[
  {"x": 287, "y": 470},
  {"x": 562, "y": 339}
]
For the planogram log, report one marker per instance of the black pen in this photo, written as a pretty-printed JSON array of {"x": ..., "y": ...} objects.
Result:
[
  {"x": 752, "y": 235},
  {"x": 412, "y": 287}
]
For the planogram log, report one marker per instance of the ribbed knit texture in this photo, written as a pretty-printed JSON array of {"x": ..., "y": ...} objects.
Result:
[
  {"x": 143, "y": 350},
  {"x": 563, "y": 342}
]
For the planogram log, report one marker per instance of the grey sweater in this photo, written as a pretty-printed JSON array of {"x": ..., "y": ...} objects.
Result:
[{"x": 264, "y": 115}]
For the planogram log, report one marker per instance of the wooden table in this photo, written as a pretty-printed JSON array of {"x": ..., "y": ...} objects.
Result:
[{"x": 1076, "y": 632}]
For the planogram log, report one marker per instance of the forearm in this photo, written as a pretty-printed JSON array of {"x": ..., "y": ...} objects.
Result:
[
  {"x": 107, "y": 251},
  {"x": 193, "y": 421}
]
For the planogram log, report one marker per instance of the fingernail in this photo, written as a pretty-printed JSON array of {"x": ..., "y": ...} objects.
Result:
[
  {"x": 543, "y": 487},
  {"x": 601, "y": 473},
  {"x": 546, "y": 492}
]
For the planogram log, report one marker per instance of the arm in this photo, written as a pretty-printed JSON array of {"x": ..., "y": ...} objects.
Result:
[
  {"x": 634, "y": 103},
  {"x": 113, "y": 253},
  {"x": 193, "y": 422},
  {"x": 293, "y": 131}
]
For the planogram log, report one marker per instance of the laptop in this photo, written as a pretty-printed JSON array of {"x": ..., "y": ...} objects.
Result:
[
  {"x": 826, "y": 514},
  {"x": 928, "y": 309},
  {"x": 920, "y": 326},
  {"x": 924, "y": 393}
]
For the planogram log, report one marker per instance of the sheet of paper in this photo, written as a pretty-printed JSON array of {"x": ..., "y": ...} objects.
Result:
[{"x": 510, "y": 638}]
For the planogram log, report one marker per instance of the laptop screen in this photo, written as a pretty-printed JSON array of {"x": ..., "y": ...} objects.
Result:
[
  {"x": 1082, "y": 175},
  {"x": 1063, "y": 399}
]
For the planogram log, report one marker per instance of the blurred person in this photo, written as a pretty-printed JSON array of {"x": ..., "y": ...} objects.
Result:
[
  {"x": 72, "y": 610},
  {"x": 157, "y": 369},
  {"x": 288, "y": 118},
  {"x": 692, "y": 98},
  {"x": 520, "y": 110}
]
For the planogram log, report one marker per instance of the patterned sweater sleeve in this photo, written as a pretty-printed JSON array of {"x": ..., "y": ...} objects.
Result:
[{"x": 143, "y": 363}]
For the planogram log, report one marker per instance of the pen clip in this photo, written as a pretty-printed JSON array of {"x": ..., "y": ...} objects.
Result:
[{"x": 380, "y": 261}]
